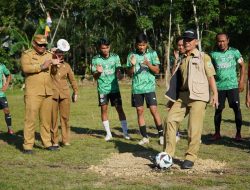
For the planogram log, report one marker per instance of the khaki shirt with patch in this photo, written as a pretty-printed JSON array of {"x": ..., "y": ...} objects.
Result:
[{"x": 37, "y": 82}]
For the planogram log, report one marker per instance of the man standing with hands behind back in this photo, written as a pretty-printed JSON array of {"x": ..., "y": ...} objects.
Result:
[
  {"x": 226, "y": 60},
  {"x": 38, "y": 93}
]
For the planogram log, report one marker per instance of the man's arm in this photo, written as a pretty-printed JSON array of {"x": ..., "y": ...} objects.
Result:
[
  {"x": 242, "y": 76},
  {"x": 248, "y": 87},
  {"x": 212, "y": 84},
  {"x": 6, "y": 84}
]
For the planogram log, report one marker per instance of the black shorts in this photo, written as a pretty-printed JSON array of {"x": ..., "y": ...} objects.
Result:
[
  {"x": 137, "y": 100},
  {"x": 232, "y": 97},
  {"x": 3, "y": 103},
  {"x": 114, "y": 98}
]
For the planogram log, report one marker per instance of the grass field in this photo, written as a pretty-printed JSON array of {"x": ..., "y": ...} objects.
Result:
[{"x": 72, "y": 167}]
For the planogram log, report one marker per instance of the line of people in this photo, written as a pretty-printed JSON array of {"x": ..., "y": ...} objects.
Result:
[{"x": 193, "y": 75}]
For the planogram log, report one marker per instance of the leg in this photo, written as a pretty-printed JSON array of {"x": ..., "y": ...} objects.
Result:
[
  {"x": 45, "y": 120},
  {"x": 122, "y": 118},
  {"x": 64, "y": 110},
  {"x": 222, "y": 94},
  {"x": 54, "y": 122},
  {"x": 175, "y": 116},
  {"x": 195, "y": 125},
  {"x": 234, "y": 103},
  {"x": 32, "y": 106}
]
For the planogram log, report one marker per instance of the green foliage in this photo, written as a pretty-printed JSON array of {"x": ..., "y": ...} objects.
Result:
[{"x": 144, "y": 22}]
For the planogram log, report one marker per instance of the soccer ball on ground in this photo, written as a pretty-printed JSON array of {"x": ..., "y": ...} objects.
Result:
[{"x": 163, "y": 160}]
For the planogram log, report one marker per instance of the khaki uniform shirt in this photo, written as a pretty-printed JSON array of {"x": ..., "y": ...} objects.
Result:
[
  {"x": 61, "y": 75},
  {"x": 37, "y": 82}
]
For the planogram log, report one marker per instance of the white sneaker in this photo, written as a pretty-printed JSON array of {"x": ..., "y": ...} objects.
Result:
[
  {"x": 108, "y": 138},
  {"x": 143, "y": 141},
  {"x": 161, "y": 140},
  {"x": 126, "y": 136}
]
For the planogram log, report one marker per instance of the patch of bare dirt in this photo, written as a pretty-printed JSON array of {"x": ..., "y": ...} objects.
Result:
[{"x": 141, "y": 165}]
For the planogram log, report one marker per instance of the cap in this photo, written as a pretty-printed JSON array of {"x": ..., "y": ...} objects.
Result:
[
  {"x": 190, "y": 33},
  {"x": 40, "y": 39}
]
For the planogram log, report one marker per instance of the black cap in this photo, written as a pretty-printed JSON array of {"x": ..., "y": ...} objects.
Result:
[{"x": 190, "y": 33}]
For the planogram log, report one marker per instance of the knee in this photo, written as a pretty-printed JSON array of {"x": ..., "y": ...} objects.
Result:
[{"x": 140, "y": 111}]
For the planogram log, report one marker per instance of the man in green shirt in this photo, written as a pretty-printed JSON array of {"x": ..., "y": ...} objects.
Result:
[
  {"x": 5, "y": 74},
  {"x": 142, "y": 65},
  {"x": 226, "y": 61},
  {"x": 106, "y": 70}
]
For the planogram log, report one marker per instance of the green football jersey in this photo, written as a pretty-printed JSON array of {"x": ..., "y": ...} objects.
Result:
[
  {"x": 3, "y": 71},
  {"x": 225, "y": 64},
  {"x": 143, "y": 80},
  {"x": 107, "y": 82}
]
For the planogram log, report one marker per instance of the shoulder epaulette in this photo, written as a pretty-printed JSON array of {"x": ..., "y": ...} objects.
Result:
[{"x": 27, "y": 51}]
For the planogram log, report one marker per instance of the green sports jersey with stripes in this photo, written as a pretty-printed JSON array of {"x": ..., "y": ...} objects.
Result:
[
  {"x": 143, "y": 79},
  {"x": 107, "y": 82},
  {"x": 225, "y": 64},
  {"x": 3, "y": 72}
]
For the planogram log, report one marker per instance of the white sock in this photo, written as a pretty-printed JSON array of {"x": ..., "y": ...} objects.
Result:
[
  {"x": 124, "y": 125},
  {"x": 106, "y": 127}
]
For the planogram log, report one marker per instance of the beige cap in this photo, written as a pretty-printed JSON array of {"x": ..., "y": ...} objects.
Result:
[{"x": 40, "y": 39}]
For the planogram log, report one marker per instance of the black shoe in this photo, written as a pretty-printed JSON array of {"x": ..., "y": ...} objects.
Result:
[
  {"x": 187, "y": 164},
  {"x": 52, "y": 148},
  {"x": 28, "y": 151}
]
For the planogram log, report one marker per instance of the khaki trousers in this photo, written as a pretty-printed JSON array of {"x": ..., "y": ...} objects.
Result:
[
  {"x": 182, "y": 107},
  {"x": 63, "y": 107},
  {"x": 37, "y": 106}
]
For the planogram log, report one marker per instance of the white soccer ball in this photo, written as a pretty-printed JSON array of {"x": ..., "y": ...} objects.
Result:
[{"x": 163, "y": 160}]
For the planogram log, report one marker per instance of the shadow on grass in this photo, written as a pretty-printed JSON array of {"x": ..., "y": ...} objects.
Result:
[
  {"x": 244, "y": 123},
  {"x": 17, "y": 139},
  {"x": 116, "y": 132},
  {"x": 226, "y": 141}
]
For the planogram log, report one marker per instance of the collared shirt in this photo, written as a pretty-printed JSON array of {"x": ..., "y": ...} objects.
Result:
[
  {"x": 3, "y": 71},
  {"x": 226, "y": 63},
  {"x": 209, "y": 69},
  {"x": 143, "y": 80},
  {"x": 107, "y": 82}
]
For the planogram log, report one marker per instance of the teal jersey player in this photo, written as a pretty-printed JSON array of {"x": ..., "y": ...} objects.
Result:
[
  {"x": 3, "y": 72},
  {"x": 226, "y": 63},
  {"x": 144, "y": 79},
  {"x": 107, "y": 82}
]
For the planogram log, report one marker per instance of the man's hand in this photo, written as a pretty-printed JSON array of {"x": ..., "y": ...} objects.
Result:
[
  {"x": 214, "y": 101},
  {"x": 119, "y": 74},
  {"x": 5, "y": 87},
  {"x": 99, "y": 68},
  {"x": 241, "y": 86},
  {"x": 133, "y": 60},
  {"x": 46, "y": 64},
  {"x": 74, "y": 97}
]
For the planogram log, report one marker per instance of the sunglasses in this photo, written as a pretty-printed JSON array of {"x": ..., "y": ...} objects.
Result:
[{"x": 41, "y": 45}]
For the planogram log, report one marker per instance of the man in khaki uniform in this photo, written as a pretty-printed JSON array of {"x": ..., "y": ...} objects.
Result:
[
  {"x": 35, "y": 64},
  {"x": 197, "y": 74},
  {"x": 61, "y": 74}
]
